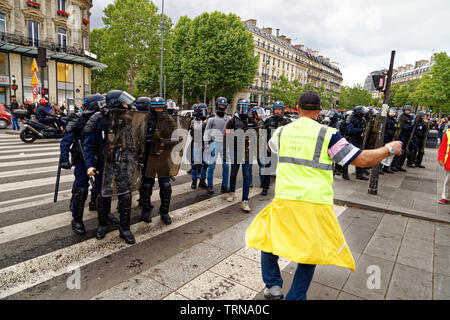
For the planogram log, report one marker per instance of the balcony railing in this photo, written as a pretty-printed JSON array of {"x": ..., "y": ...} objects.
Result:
[{"x": 20, "y": 40}]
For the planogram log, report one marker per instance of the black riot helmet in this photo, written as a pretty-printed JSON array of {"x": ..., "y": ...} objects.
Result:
[
  {"x": 157, "y": 102},
  {"x": 258, "y": 112},
  {"x": 221, "y": 106},
  {"x": 421, "y": 114},
  {"x": 243, "y": 107},
  {"x": 143, "y": 103},
  {"x": 93, "y": 102},
  {"x": 359, "y": 111},
  {"x": 406, "y": 108},
  {"x": 116, "y": 99},
  {"x": 200, "y": 111},
  {"x": 332, "y": 114}
]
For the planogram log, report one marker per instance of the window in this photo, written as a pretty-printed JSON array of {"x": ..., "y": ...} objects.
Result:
[
  {"x": 62, "y": 38},
  {"x": 2, "y": 23},
  {"x": 64, "y": 80},
  {"x": 62, "y": 5},
  {"x": 33, "y": 33}
]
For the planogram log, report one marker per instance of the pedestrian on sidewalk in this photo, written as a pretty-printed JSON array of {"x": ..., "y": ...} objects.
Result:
[
  {"x": 300, "y": 224},
  {"x": 14, "y": 120},
  {"x": 444, "y": 161}
]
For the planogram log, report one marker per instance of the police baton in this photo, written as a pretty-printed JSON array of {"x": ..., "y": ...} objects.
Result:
[
  {"x": 58, "y": 177},
  {"x": 91, "y": 180}
]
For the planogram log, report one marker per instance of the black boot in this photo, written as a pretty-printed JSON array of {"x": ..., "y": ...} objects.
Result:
[
  {"x": 224, "y": 189},
  {"x": 210, "y": 190},
  {"x": 93, "y": 205},
  {"x": 103, "y": 208},
  {"x": 194, "y": 184},
  {"x": 146, "y": 194},
  {"x": 165, "y": 193},
  {"x": 202, "y": 184},
  {"x": 79, "y": 196},
  {"x": 125, "y": 217},
  {"x": 419, "y": 159},
  {"x": 264, "y": 191}
]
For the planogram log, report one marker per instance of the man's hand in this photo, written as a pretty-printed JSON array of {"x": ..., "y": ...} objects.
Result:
[
  {"x": 397, "y": 146},
  {"x": 91, "y": 172},
  {"x": 441, "y": 163}
]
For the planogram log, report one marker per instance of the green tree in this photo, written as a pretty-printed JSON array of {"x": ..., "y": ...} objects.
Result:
[
  {"x": 284, "y": 90},
  {"x": 213, "y": 49},
  {"x": 129, "y": 42}
]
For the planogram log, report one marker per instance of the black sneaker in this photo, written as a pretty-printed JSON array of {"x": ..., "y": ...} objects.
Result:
[
  {"x": 402, "y": 170},
  {"x": 264, "y": 192},
  {"x": 210, "y": 190},
  {"x": 420, "y": 166},
  {"x": 362, "y": 178},
  {"x": 194, "y": 184},
  {"x": 202, "y": 184},
  {"x": 224, "y": 189}
]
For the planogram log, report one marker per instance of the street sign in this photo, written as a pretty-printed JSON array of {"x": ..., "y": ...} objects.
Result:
[
  {"x": 34, "y": 80},
  {"x": 34, "y": 67},
  {"x": 34, "y": 90}
]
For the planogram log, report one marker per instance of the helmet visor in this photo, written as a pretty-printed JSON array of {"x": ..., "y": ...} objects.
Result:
[
  {"x": 244, "y": 109},
  {"x": 126, "y": 98}
]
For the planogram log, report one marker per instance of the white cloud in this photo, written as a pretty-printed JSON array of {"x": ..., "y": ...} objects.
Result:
[{"x": 358, "y": 34}]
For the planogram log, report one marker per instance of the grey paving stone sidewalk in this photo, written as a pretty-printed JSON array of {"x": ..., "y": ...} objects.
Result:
[
  {"x": 397, "y": 258},
  {"x": 414, "y": 194}
]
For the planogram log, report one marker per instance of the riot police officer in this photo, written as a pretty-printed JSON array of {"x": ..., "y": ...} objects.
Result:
[
  {"x": 239, "y": 152},
  {"x": 256, "y": 123},
  {"x": 355, "y": 133},
  {"x": 172, "y": 107},
  {"x": 389, "y": 134},
  {"x": 416, "y": 145},
  {"x": 197, "y": 130},
  {"x": 71, "y": 144},
  {"x": 271, "y": 124},
  {"x": 96, "y": 134},
  {"x": 406, "y": 127},
  {"x": 157, "y": 105}
]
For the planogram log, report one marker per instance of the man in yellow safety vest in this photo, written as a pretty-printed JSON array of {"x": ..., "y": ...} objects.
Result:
[{"x": 300, "y": 224}]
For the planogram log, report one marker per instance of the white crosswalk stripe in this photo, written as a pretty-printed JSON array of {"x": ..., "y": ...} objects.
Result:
[
  {"x": 29, "y": 155},
  {"x": 29, "y": 272},
  {"x": 14, "y": 164},
  {"x": 4, "y": 150}
]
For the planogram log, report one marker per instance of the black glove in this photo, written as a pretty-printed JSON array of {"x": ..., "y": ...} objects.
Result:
[{"x": 66, "y": 165}]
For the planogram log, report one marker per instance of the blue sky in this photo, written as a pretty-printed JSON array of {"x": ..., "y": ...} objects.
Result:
[{"x": 358, "y": 34}]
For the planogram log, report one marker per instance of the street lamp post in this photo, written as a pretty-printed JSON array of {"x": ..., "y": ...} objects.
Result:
[
  {"x": 266, "y": 69},
  {"x": 162, "y": 51}
]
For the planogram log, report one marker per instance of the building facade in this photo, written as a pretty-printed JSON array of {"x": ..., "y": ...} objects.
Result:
[
  {"x": 59, "y": 26},
  {"x": 278, "y": 56},
  {"x": 409, "y": 72}
]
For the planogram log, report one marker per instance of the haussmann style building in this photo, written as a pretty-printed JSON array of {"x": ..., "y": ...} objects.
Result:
[
  {"x": 62, "y": 28},
  {"x": 279, "y": 56}
]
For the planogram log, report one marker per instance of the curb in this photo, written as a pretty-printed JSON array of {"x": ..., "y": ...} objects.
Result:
[{"x": 388, "y": 211}]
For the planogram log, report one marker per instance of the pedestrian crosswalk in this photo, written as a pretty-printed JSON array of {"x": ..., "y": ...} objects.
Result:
[{"x": 37, "y": 245}]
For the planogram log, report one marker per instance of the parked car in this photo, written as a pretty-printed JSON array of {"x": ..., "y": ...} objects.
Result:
[{"x": 5, "y": 117}]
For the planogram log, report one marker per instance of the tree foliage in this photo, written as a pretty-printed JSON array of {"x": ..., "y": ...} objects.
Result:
[
  {"x": 213, "y": 49},
  {"x": 129, "y": 43}
]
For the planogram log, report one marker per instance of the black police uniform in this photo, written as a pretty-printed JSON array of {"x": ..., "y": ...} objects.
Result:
[
  {"x": 96, "y": 132},
  {"x": 355, "y": 130}
]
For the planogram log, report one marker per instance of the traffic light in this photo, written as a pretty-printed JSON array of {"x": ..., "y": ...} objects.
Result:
[
  {"x": 431, "y": 109},
  {"x": 337, "y": 104}
]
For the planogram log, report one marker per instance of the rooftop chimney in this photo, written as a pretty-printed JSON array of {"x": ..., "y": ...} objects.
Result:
[
  {"x": 268, "y": 30},
  {"x": 251, "y": 21},
  {"x": 300, "y": 47},
  {"x": 282, "y": 37},
  {"x": 278, "y": 32},
  {"x": 288, "y": 40}
]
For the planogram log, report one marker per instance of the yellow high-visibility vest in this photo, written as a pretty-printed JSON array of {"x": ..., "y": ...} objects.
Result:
[
  {"x": 305, "y": 170},
  {"x": 300, "y": 224}
]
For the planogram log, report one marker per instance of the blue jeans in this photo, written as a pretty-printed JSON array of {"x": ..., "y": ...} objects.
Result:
[
  {"x": 15, "y": 123},
  {"x": 272, "y": 276},
  {"x": 199, "y": 166},
  {"x": 247, "y": 175},
  {"x": 216, "y": 148}
]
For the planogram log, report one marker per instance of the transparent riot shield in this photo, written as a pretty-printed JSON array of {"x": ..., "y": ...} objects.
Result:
[
  {"x": 373, "y": 132},
  {"x": 165, "y": 149},
  {"x": 125, "y": 145}
]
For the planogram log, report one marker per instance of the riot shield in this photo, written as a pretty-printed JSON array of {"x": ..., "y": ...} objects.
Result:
[
  {"x": 373, "y": 132},
  {"x": 125, "y": 145},
  {"x": 165, "y": 149},
  {"x": 367, "y": 132}
]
